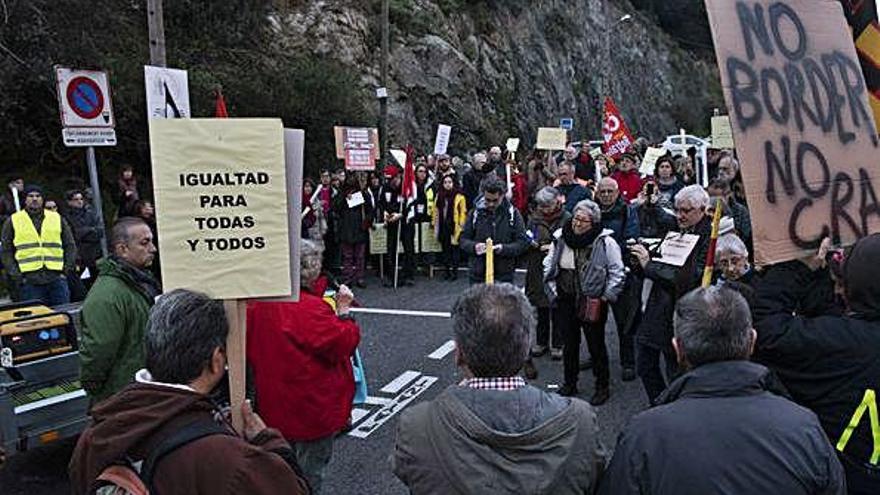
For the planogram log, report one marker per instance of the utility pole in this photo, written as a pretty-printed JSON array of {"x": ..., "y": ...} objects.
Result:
[
  {"x": 382, "y": 92},
  {"x": 156, "y": 23}
]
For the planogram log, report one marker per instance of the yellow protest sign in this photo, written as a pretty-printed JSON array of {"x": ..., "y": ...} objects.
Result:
[
  {"x": 722, "y": 133},
  {"x": 551, "y": 138},
  {"x": 221, "y": 206}
]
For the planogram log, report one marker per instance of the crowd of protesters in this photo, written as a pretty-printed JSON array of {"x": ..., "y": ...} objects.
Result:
[{"x": 756, "y": 384}]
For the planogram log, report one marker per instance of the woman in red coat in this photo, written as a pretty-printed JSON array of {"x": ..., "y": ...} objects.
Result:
[{"x": 300, "y": 356}]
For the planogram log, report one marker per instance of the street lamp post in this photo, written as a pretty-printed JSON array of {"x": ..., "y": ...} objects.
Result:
[{"x": 607, "y": 84}]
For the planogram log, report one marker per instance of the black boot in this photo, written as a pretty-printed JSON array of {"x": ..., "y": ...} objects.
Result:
[{"x": 600, "y": 396}]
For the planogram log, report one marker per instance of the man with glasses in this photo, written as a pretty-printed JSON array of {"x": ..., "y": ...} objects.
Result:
[
  {"x": 493, "y": 217},
  {"x": 38, "y": 248},
  {"x": 654, "y": 334}
]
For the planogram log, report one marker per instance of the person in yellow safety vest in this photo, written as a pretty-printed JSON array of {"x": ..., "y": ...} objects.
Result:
[{"x": 38, "y": 248}]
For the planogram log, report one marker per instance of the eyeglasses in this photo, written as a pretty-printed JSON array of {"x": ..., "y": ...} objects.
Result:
[
  {"x": 686, "y": 211},
  {"x": 580, "y": 220}
]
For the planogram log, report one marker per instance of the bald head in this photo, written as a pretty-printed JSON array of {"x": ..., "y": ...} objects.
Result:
[{"x": 607, "y": 192}]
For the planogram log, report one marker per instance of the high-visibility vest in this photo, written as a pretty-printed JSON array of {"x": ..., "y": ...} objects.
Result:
[{"x": 35, "y": 251}]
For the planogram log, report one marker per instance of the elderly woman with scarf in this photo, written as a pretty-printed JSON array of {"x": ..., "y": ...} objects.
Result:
[
  {"x": 584, "y": 273},
  {"x": 450, "y": 214},
  {"x": 548, "y": 217}
]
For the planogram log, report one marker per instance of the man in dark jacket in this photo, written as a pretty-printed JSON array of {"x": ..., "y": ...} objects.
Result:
[
  {"x": 185, "y": 345},
  {"x": 115, "y": 311},
  {"x": 399, "y": 223},
  {"x": 724, "y": 426},
  {"x": 493, "y": 217},
  {"x": 574, "y": 193},
  {"x": 472, "y": 179},
  {"x": 493, "y": 433},
  {"x": 623, "y": 220},
  {"x": 87, "y": 232},
  {"x": 669, "y": 283},
  {"x": 829, "y": 363}
]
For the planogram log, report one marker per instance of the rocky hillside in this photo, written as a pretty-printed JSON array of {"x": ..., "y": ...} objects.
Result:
[{"x": 494, "y": 69}]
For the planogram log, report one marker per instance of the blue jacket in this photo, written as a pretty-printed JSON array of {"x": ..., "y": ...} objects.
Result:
[{"x": 574, "y": 194}]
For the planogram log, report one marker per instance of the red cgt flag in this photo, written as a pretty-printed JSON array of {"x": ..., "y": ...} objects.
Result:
[
  {"x": 618, "y": 139},
  {"x": 220, "y": 105},
  {"x": 409, "y": 174}
]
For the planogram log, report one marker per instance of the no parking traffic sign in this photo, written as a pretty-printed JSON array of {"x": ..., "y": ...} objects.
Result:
[{"x": 86, "y": 108}]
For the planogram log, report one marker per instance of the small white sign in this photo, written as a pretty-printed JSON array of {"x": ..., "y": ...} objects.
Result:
[
  {"x": 355, "y": 199},
  {"x": 512, "y": 145},
  {"x": 88, "y": 136},
  {"x": 651, "y": 156},
  {"x": 442, "y": 140},
  {"x": 84, "y": 98},
  {"x": 167, "y": 93},
  {"x": 675, "y": 248}
]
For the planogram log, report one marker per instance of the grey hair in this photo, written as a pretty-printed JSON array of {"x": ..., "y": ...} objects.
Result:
[
  {"x": 480, "y": 157},
  {"x": 121, "y": 231},
  {"x": 713, "y": 324},
  {"x": 310, "y": 262},
  {"x": 609, "y": 180},
  {"x": 493, "y": 184},
  {"x": 731, "y": 243},
  {"x": 183, "y": 329},
  {"x": 492, "y": 325},
  {"x": 693, "y": 194},
  {"x": 733, "y": 161},
  {"x": 591, "y": 208},
  {"x": 547, "y": 196}
]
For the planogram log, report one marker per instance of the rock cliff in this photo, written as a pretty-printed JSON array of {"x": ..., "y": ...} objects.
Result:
[{"x": 494, "y": 69}]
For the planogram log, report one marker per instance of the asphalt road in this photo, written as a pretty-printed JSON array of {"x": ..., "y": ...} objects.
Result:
[{"x": 392, "y": 345}]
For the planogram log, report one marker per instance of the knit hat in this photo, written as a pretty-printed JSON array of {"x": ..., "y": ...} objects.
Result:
[
  {"x": 33, "y": 188},
  {"x": 391, "y": 171}
]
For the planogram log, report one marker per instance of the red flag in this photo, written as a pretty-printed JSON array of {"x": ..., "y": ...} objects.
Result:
[
  {"x": 409, "y": 174},
  {"x": 220, "y": 105},
  {"x": 618, "y": 139}
]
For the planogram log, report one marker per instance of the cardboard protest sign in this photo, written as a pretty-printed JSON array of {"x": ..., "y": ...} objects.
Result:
[
  {"x": 358, "y": 146},
  {"x": 378, "y": 239},
  {"x": 616, "y": 134},
  {"x": 441, "y": 143},
  {"x": 551, "y": 138},
  {"x": 428, "y": 242},
  {"x": 802, "y": 122},
  {"x": 651, "y": 156},
  {"x": 221, "y": 203},
  {"x": 512, "y": 145},
  {"x": 722, "y": 133}
]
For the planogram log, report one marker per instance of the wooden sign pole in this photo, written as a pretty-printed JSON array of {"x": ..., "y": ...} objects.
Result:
[{"x": 236, "y": 314}]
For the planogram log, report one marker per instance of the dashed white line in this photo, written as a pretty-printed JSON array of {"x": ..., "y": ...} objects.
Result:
[
  {"x": 443, "y": 350},
  {"x": 401, "y": 381},
  {"x": 376, "y": 401}
]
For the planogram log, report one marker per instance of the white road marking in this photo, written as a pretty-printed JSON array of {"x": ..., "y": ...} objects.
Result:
[
  {"x": 401, "y": 312},
  {"x": 358, "y": 414},
  {"x": 401, "y": 381},
  {"x": 376, "y": 401},
  {"x": 380, "y": 417},
  {"x": 443, "y": 350}
]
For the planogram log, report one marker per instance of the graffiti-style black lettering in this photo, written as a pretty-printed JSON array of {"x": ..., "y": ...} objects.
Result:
[
  {"x": 782, "y": 168},
  {"x": 777, "y": 11},
  {"x": 754, "y": 28}
]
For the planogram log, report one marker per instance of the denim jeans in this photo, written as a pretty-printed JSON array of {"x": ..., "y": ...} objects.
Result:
[{"x": 54, "y": 293}]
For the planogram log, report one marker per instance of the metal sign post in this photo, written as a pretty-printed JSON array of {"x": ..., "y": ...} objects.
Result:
[{"x": 96, "y": 196}]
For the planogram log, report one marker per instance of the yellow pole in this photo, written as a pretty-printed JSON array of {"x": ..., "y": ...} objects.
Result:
[{"x": 490, "y": 262}]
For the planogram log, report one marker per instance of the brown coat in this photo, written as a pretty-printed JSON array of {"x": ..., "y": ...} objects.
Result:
[{"x": 141, "y": 415}]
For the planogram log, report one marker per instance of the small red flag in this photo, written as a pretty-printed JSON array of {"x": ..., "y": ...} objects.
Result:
[
  {"x": 220, "y": 105},
  {"x": 618, "y": 139},
  {"x": 409, "y": 174}
]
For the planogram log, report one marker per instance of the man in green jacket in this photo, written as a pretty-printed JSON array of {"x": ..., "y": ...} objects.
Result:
[{"x": 115, "y": 311}]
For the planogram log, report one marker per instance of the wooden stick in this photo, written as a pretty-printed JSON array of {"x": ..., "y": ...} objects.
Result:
[
  {"x": 713, "y": 240},
  {"x": 490, "y": 262},
  {"x": 236, "y": 313}
]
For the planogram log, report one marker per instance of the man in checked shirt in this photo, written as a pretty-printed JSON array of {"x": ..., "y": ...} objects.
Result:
[{"x": 493, "y": 433}]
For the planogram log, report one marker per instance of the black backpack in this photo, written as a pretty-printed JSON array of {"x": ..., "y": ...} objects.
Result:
[{"x": 127, "y": 477}]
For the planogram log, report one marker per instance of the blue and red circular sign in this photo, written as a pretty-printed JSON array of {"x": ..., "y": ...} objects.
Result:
[{"x": 85, "y": 97}]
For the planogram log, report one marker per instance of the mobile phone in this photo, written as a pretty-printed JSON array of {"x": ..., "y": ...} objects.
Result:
[{"x": 649, "y": 190}]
